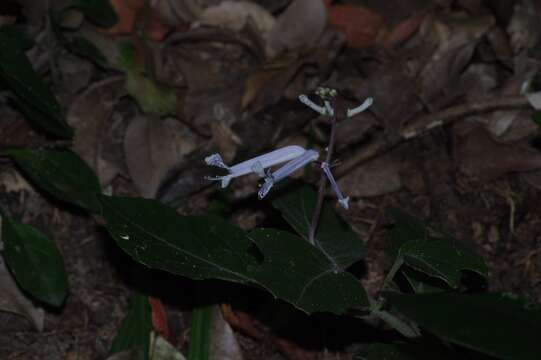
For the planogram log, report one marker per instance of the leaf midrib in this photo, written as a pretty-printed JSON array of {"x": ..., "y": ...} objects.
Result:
[{"x": 164, "y": 241}]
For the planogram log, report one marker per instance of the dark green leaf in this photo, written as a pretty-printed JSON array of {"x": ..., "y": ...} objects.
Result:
[
  {"x": 99, "y": 12},
  {"x": 61, "y": 173},
  {"x": 421, "y": 282},
  {"x": 536, "y": 117},
  {"x": 406, "y": 228},
  {"x": 500, "y": 325},
  {"x": 442, "y": 258},
  {"x": 203, "y": 247},
  {"x": 334, "y": 237},
  {"x": 134, "y": 333},
  {"x": 199, "y": 247},
  {"x": 301, "y": 274},
  {"x": 17, "y": 74},
  {"x": 37, "y": 119},
  {"x": 35, "y": 262}
]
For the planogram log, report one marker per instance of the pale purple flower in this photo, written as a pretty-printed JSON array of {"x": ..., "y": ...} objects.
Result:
[
  {"x": 359, "y": 109},
  {"x": 341, "y": 199},
  {"x": 286, "y": 170},
  {"x": 255, "y": 165},
  {"x": 312, "y": 105}
]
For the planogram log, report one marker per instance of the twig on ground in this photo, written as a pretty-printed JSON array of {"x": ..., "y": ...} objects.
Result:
[{"x": 423, "y": 124}]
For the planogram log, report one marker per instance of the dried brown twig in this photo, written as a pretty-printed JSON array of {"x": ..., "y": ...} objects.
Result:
[{"x": 423, "y": 124}]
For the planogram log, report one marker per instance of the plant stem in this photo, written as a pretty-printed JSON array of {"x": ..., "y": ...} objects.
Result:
[
  {"x": 391, "y": 274},
  {"x": 322, "y": 181},
  {"x": 200, "y": 334},
  {"x": 201, "y": 331},
  {"x": 403, "y": 327}
]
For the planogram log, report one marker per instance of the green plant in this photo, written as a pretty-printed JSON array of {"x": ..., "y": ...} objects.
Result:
[{"x": 437, "y": 315}]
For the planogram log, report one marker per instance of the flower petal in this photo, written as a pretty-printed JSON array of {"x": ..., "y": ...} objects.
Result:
[{"x": 286, "y": 170}]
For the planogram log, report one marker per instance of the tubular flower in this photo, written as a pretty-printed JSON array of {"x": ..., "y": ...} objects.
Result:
[
  {"x": 359, "y": 109},
  {"x": 256, "y": 165},
  {"x": 341, "y": 199},
  {"x": 286, "y": 170}
]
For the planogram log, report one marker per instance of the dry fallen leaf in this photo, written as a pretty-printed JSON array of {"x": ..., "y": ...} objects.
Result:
[
  {"x": 510, "y": 125},
  {"x": 404, "y": 30},
  {"x": 76, "y": 74},
  {"x": 394, "y": 90},
  {"x": 214, "y": 89},
  {"x": 524, "y": 28},
  {"x": 13, "y": 181},
  {"x": 161, "y": 349},
  {"x": 255, "y": 83},
  {"x": 286, "y": 75},
  {"x": 482, "y": 156},
  {"x": 533, "y": 178},
  {"x": 176, "y": 12},
  {"x": 360, "y": 24},
  {"x": 14, "y": 301},
  {"x": 456, "y": 38},
  {"x": 225, "y": 140},
  {"x": 522, "y": 127},
  {"x": 127, "y": 11},
  {"x": 106, "y": 45},
  {"x": 90, "y": 116},
  {"x": 224, "y": 344},
  {"x": 153, "y": 147},
  {"x": 479, "y": 81},
  {"x": 377, "y": 177},
  {"x": 264, "y": 87},
  {"x": 299, "y": 26},
  {"x": 235, "y": 15}
]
